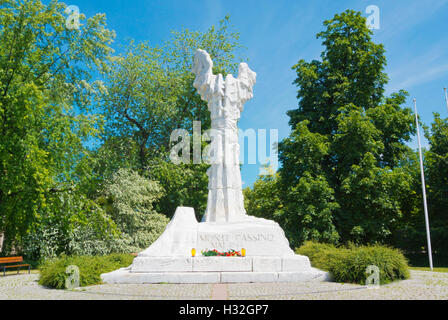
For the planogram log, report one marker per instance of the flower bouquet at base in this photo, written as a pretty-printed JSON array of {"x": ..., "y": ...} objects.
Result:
[{"x": 216, "y": 253}]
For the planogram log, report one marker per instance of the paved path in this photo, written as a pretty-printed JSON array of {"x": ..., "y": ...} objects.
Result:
[{"x": 422, "y": 285}]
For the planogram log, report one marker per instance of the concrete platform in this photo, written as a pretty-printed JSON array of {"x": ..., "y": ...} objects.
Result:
[
  {"x": 124, "y": 276},
  {"x": 216, "y": 270},
  {"x": 295, "y": 263}
]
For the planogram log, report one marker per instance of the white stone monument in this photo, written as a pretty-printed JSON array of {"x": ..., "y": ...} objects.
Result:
[{"x": 226, "y": 225}]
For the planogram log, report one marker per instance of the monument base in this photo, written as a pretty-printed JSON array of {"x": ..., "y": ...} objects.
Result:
[
  {"x": 168, "y": 260},
  {"x": 126, "y": 276}
]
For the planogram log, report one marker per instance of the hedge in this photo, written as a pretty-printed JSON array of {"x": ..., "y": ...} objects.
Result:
[{"x": 349, "y": 263}]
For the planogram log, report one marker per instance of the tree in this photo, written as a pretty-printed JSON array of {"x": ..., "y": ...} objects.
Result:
[
  {"x": 351, "y": 72},
  {"x": 341, "y": 174},
  {"x": 307, "y": 196},
  {"x": 184, "y": 184},
  {"x": 70, "y": 224},
  {"x": 263, "y": 200},
  {"x": 45, "y": 80},
  {"x": 150, "y": 94},
  {"x": 436, "y": 164},
  {"x": 150, "y": 89},
  {"x": 129, "y": 200}
]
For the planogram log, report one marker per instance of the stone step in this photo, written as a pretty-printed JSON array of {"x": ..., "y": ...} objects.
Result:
[
  {"x": 124, "y": 276},
  {"x": 293, "y": 263}
]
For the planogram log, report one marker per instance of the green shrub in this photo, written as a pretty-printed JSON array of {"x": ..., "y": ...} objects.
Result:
[
  {"x": 317, "y": 252},
  {"x": 53, "y": 275},
  {"x": 349, "y": 264}
]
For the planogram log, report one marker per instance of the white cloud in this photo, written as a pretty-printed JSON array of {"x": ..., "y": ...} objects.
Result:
[
  {"x": 422, "y": 76},
  {"x": 397, "y": 19},
  {"x": 417, "y": 68}
]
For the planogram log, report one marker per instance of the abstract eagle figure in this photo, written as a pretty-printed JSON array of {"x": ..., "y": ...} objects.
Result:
[{"x": 226, "y": 99}]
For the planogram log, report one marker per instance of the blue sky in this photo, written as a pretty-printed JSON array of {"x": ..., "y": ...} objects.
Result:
[{"x": 277, "y": 34}]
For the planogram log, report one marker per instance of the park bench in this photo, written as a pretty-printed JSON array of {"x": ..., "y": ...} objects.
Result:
[{"x": 5, "y": 263}]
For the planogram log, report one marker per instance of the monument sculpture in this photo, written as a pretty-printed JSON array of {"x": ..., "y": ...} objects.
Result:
[
  {"x": 226, "y": 225},
  {"x": 226, "y": 99}
]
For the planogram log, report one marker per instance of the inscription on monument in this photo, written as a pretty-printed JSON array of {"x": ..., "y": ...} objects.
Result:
[{"x": 232, "y": 240}]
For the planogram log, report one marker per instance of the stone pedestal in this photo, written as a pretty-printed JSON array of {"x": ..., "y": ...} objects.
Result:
[{"x": 268, "y": 255}]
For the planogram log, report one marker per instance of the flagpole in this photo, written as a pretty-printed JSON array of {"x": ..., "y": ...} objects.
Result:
[
  {"x": 446, "y": 98},
  {"x": 425, "y": 205}
]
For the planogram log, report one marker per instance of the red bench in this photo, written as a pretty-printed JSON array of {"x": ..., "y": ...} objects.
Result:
[{"x": 6, "y": 264}]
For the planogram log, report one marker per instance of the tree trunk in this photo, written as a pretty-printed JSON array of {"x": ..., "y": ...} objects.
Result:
[{"x": 2, "y": 236}]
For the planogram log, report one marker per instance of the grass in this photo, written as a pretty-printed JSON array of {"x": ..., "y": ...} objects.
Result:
[{"x": 428, "y": 269}]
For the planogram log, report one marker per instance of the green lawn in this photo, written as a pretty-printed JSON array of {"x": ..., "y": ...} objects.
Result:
[{"x": 427, "y": 269}]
